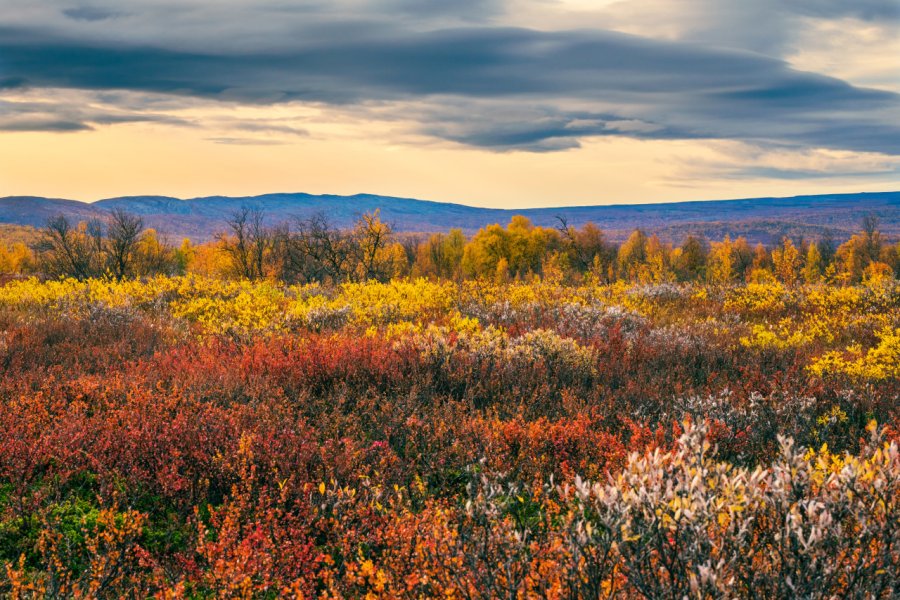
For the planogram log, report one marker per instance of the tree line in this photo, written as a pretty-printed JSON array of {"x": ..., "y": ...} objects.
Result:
[
  {"x": 313, "y": 249},
  {"x": 119, "y": 246}
]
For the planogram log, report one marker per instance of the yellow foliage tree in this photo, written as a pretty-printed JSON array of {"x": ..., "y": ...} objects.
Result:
[{"x": 786, "y": 261}]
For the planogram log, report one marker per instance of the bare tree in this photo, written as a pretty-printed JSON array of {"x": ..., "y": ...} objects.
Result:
[
  {"x": 320, "y": 252},
  {"x": 96, "y": 239},
  {"x": 123, "y": 235},
  {"x": 64, "y": 250},
  {"x": 248, "y": 242},
  {"x": 411, "y": 243},
  {"x": 315, "y": 250}
]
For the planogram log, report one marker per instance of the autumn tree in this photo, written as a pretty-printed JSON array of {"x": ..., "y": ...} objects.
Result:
[
  {"x": 742, "y": 257},
  {"x": 153, "y": 254},
  {"x": 209, "y": 259},
  {"x": 813, "y": 270},
  {"x": 454, "y": 245},
  {"x": 518, "y": 249},
  {"x": 892, "y": 257},
  {"x": 787, "y": 262},
  {"x": 441, "y": 254},
  {"x": 632, "y": 254},
  {"x": 371, "y": 238},
  {"x": 586, "y": 249},
  {"x": 721, "y": 262},
  {"x": 872, "y": 241},
  {"x": 185, "y": 255},
  {"x": 487, "y": 248},
  {"x": 658, "y": 264},
  {"x": 529, "y": 245},
  {"x": 690, "y": 263},
  {"x": 860, "y": 251},
  {"x": 396, "y": 261},
  {"x": 827, "y": 248},
  {"x": 15, "y": 259}
]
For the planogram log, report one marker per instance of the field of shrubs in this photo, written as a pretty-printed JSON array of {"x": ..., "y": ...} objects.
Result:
[{"x": 192, "y": 436}]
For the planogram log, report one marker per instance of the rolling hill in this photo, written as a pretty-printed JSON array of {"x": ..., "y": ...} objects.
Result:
[{"x": 759, "y": 219}]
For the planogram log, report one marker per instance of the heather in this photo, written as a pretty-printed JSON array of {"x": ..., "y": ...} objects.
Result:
[{"x": 200, "y": 437}]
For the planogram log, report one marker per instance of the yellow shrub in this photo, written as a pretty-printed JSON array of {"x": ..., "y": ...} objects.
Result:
[{"x": 879, "y": 362}]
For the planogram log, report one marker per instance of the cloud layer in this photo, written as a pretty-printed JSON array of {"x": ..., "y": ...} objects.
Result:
[{"x": 500, "y": 75}]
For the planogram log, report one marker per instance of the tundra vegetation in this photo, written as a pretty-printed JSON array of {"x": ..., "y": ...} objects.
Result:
[{"x": 530, "y": 413}]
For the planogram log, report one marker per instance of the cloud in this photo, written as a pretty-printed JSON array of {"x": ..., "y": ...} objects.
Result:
[
  {"x": 489, "y": 85},
  {"x": 743, "y": 173},
  {"x": 45, "y": 125},
  {"x": 504, "y": 126},
  {"x": 770, "y": 27},
  {"x": 11, "y": 83},
  {"x": 739, "y": 161},
  {"x": 463, "y": 10},
  {"x": 264, "y": 126},
  {"x": 873, "y": 10},
  {"x": 90, "y": 13},
  {"x": 72, "y": 114}
]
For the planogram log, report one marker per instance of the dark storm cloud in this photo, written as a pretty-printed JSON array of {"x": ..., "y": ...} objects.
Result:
[
  {"x": 481, "y": 62},
  {"x": 11, "y": 83},
  {"x": 684, "y": 90}
]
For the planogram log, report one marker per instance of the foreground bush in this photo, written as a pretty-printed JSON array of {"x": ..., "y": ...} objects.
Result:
[
  {"x": 185, "y": 437},
  {"x": 810, "y": 525}
]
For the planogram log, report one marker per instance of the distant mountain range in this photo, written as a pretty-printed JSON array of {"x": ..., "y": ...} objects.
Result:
[{"x": 759, "y": 219}]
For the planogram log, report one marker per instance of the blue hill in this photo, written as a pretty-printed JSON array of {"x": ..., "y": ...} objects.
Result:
[{"x": 759, "y": 219}]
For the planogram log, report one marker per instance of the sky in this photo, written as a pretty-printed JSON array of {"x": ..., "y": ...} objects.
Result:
[{"x": 501, "y": 103}]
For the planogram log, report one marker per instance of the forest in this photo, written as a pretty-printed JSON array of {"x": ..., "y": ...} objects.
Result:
[
  {"x": 313, "y": 412},
  {"x": 313, "y": 250}
]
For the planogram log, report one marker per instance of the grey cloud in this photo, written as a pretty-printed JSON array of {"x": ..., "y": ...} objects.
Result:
[
  {"x": 799, "y": 174},
  {"x": 486, "y": 62},
  {"x": 770, "y": 27},
  {"x": 90, "y": 13},
  {"x": 46, "y": 125},
  {"x": 267, "y": 127},
  {"x": 463, "y": 10},
  {"x": 11, "y": 83},
  {"x": 504, "y": 127},
  {"x": 870, "y": 10},
  {"x": 495, "y": 87},
  {"x": 70, "y": 116},
  {"x": 782, "y": 162}
]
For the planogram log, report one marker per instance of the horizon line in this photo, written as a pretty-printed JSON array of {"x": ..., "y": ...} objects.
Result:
[{"x": 443, "y": 202}]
